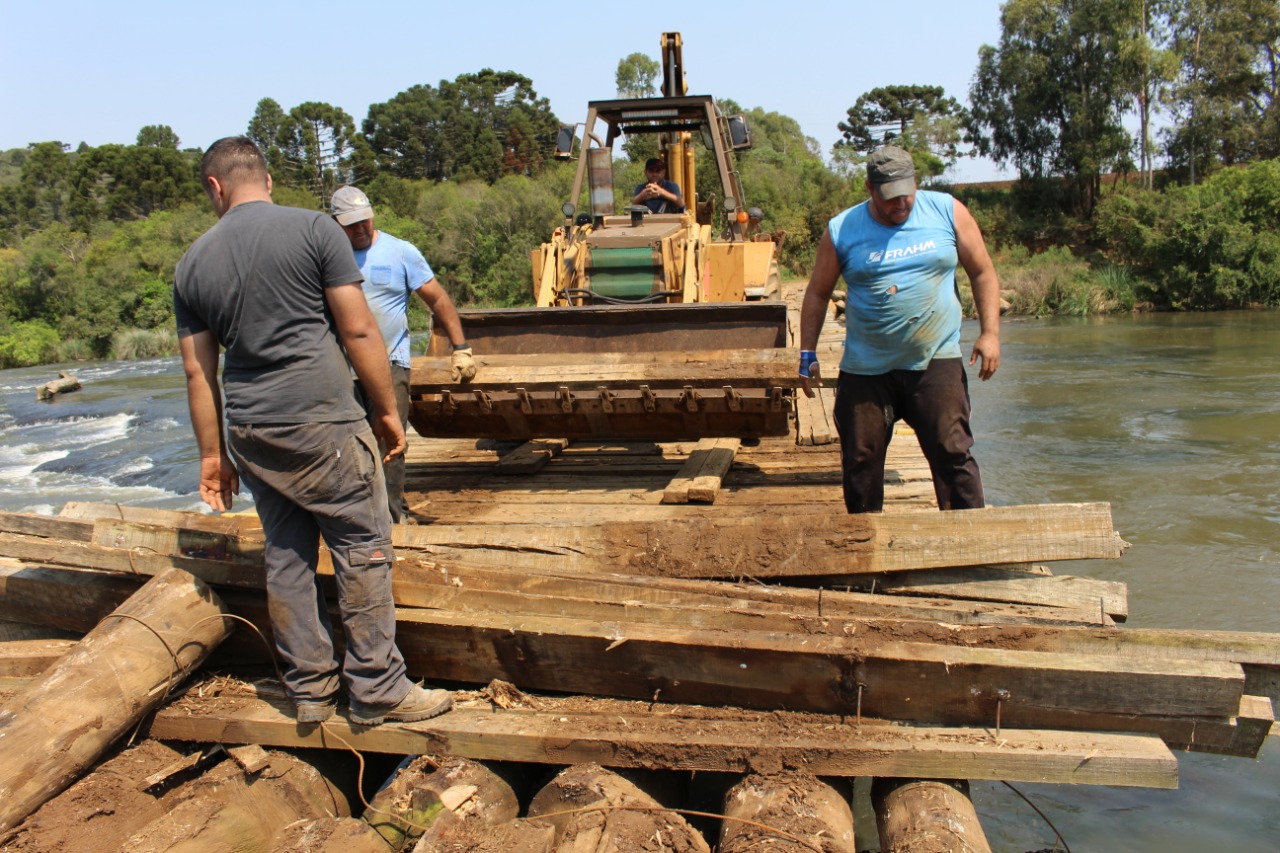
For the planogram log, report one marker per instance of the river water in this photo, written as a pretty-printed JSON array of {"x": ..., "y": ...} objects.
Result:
[{"x": 1172, "y": 419}]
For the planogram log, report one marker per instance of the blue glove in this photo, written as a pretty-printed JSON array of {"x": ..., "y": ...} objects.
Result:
[{"x": 808, "y": 360}]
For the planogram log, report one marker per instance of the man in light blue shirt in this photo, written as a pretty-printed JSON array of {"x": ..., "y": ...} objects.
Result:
[
  {"x": 898, "y": 252},
  {"x": 393, "y": 269}
]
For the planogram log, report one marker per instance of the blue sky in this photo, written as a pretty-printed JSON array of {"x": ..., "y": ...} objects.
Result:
[{"x": 80, "y": 71}]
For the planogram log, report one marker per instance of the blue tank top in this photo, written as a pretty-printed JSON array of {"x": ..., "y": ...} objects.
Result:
[{"x": 902, "y": 309}]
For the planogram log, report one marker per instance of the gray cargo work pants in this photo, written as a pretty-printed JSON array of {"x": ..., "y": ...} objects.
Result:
[
  {"x": 308, "y": 481},
  {"x": 394, "y": 470}
]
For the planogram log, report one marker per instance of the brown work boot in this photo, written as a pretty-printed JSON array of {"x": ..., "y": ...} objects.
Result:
[{"x": 418, "y": 704}]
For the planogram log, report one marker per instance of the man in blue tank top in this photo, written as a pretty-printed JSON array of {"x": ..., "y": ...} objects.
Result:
[{"x": 898, "y": 252}]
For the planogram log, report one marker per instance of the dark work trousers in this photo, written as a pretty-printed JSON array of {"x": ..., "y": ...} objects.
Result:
[
  {"x": 308, "y": 481},
  {"x": 394, "y": 470},
  {"x": 935, "y": 403}
]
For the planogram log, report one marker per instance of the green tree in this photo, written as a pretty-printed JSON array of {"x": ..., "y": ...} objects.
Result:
[
  {"x": 265, "y": 129},
  {"x": 635, "y": 79},
  {"x": 1143, "y": 50},
  {"x": 41, "y": 195},
  {"x": 784, "y": 175},
  {"x": 635, "y": 76},
  {"x": 1224, "y": 100},
  {"x": 158, "y": 136},
  {"x": 1051, "y": 96},
  {"x": 482, "y": 125},
  {"x": 130, "y": 182},
  {"x": 920, "y": 118},
  {"x": 320, "y": 149}
]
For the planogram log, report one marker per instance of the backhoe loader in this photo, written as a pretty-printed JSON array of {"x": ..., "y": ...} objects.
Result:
[{"x": 658, "y": 326}]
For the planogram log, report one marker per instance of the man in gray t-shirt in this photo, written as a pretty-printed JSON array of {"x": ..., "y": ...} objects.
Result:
[{"x": 277, "y": 288}]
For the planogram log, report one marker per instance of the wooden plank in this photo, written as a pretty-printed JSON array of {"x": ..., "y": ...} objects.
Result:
[
  {"x": 994, "y": 583},
  {"x": 703, "y": 472},
  {"x": 760, "y": 669},
  {"x": 719, "y": 546},
  {"x": 531, "y": 456},
  {"x": 60, "y": 598},
  {"x": 791, "y": 546},
  {"x": 227, "y": 523},
  {"x": 32, "y": 524},
  {"x": 813, "y": 424},
  {"x": 73, "y": 600},
  {"x": 133, "y": 561},
  {"x": 901, "y": 681},
  {"x": 772, "y": 368},
  {"x": 24, "y": 658},
  {"x": 643, "y": 735}
]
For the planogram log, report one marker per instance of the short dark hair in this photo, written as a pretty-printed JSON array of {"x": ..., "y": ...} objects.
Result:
[
  {"x": 232, "y": 160},
  {"x": 654, "y": 163}
]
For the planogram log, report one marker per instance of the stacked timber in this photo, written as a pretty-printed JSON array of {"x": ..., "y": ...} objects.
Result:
[
  {"x": 647, "y": 638},
  {"x": 621, "y": 623}
]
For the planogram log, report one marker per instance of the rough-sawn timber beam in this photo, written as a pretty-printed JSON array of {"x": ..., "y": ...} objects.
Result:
[
  {"x": 697, "y": 369},
  {"x": 797, "y": 546},
  {"x": 644, "y": 735},
  {"x": 708, "y": 546},
  {"x": 703, "y": 472},
  {"x": 725, "y": 670}
]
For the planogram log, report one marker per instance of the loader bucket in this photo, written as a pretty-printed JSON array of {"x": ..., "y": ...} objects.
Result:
[{"x": 657, "y": 372}]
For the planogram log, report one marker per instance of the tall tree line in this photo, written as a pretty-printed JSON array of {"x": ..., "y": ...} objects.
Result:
[{"x": 1073, "y": 90}]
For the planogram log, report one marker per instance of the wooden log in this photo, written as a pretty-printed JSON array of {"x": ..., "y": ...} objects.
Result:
[
  {"x": 439, "y": 800},
  {"x": 640, "y": 734},
  {"x": 63, "y": 722},
  {"x": 703, "y": 472},
  {"x": 594, "y": 809},
  {"x": 922, "y": 816},
  {"x": 525, "y": 836},
  {"x": 64, "y": 384},
  {"x": 810, "y": 814},
  {"x": 328, "y": 835},
  {"x": 111, "y": 801},
  {"x": 223, "y": 810}
]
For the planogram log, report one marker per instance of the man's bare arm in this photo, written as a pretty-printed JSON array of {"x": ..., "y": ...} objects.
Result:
[
  {"x": 817, "y": 300},
  {"x": 443, "y": 309},
  {"x": 218, "y": 477},
  {"x": 972, "y": 251}
]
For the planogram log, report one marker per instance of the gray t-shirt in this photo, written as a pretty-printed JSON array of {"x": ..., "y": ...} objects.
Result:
[{"x": 257, "y": 280}]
